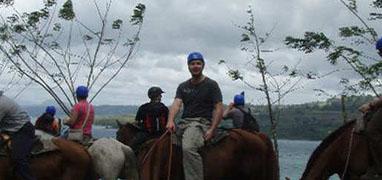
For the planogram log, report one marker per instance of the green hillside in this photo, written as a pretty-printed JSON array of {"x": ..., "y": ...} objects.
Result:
[{"x": 310, "y": 121}]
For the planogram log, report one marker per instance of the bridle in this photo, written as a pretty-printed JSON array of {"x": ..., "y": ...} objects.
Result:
[{"x": 156, "y": 143}]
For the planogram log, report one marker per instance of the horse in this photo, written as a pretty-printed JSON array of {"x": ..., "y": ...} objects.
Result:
[
  {"x": 344, "y": 152},
  {"x": 111, "y": 160},
  {"x": 241, "y": 155},
  {"x": 69, "y": 161}
]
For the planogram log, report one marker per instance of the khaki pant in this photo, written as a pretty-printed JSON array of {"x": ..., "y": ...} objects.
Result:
[{"x": 192, "y": 131}]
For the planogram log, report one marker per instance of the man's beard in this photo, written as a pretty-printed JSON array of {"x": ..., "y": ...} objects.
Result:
[{"x": 199, "y": 74}]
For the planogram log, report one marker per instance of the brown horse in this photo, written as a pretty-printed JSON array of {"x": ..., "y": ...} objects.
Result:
[
  {"x": 241, "y": 155},
  {"x": 70, "y": 161},
  {"x": 331, "y": 156}
]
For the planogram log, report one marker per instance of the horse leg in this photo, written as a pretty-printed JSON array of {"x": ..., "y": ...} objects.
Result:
[{"x": 131, "y": 168}]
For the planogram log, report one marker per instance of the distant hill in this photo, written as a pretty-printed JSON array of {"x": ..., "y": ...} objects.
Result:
[
  {"x": 312, "y": 121},
  {"x": 101, "y": 111}
]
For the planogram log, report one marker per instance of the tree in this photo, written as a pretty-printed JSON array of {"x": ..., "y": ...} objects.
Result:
[
  {"x": 349, "y": 49},
  {"x": 10, "y": 78},
  {"x": 275, "y": 84},
  {"x": 54, "y": 48}
]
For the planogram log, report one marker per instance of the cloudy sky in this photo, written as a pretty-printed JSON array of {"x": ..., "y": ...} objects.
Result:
[{"x": 173, "y": 28}]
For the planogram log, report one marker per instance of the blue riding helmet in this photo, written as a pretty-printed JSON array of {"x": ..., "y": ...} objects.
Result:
[
  {"x": 50, "y": 110},
  {"x": 82, "y": 91},
  {"x": 378, "y": 45},
  {"x": 238, "y": 99},
  {"x": 195, "y": 56}
]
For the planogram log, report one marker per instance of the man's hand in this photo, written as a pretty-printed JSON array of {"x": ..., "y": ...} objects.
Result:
[
  {"x": 209, "y": 134},
  {"x": 170, "y": 126},
  {"x": 230, "y": 106}
]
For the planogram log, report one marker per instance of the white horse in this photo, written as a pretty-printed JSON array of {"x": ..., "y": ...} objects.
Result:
[{"x": 111, "y": 160}]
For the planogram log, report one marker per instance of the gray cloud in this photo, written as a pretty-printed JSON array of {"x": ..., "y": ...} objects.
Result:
[{"x": 174, "y": 28}]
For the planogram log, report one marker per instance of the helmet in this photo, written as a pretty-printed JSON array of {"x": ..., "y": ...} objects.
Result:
[
  {"x": 238, "y": 99},
  {"x": 195, "y": 56},
  {"x": 154, "y": 92},
  {"x": 378, "y": 45},
  {"x": 50, "y": 110},
  {"x": 82, "y": 92}
]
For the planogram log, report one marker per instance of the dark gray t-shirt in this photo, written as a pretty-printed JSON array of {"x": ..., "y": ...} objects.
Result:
[
  {"x": 199, "y": 99},
  {"x": 237, "y": 117}
]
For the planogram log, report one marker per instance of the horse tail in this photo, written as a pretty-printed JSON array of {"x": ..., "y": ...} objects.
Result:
[
  {"x": 130, "y": 169},
  {"x": 272, "y": 164}
]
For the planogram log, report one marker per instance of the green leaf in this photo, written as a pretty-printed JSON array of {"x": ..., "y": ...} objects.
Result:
[
  {"x": 6, "y": 2},
  {"x": 310, "y": 42},
  {"x": 342, "y": 51},
  {"x": 87, "y": 37},
  {"x": 19, "y": 28},
  {"x": 117, "y": 24},
  {"x": 311, "y": 75},
  {"x": 107, "y": 41},
  {"x": 244, "y": 37},
  {"x": 66, "y": 12},
  {"x": 49, "y": 3},
  {"x": 138, "y": 12},
  {"x": 235, "y": 75},
  {"x": 377, "y": 3},
  {"x": 293, "y": 73},
  {"x": 13, "y": 18},
  {"x": 56, "y": 27},
  {"x": 352, "y": 31},
  {"x": 352, "y": 5},
  {"x": 221, "y": 61}
]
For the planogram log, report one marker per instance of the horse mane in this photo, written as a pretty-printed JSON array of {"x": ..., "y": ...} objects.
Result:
[
  {"x": 325, "y": 143},
  {"x": 132, "y": 126}
]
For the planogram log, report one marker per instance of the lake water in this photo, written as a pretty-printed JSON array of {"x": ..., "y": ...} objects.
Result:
[{"x": 294, "y": 154}]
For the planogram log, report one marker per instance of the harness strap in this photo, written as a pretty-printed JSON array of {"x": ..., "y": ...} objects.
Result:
[
  {"x": 170, "y": 159},
  {"x": 152, "y": 147},
  {"x": 348, "y": 154}
]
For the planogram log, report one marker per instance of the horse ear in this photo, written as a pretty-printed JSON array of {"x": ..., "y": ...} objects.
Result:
[{"x": 119, "y": 124}]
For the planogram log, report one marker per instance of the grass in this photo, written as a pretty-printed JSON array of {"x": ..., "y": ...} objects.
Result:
[{"x": 110, "y": 121}]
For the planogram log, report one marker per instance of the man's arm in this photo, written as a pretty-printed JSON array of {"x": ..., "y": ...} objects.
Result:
[
  {"x": 227, "y": 111},
  {"x": 72, "y": 118},
  {"x": 174, "y": 109},
  {"x": 216, "y": 118}
]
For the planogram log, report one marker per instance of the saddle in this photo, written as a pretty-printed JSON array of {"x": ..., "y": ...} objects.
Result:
[
  {"x": 41, "y": 144},
  {"x": 220, "y": 134}
]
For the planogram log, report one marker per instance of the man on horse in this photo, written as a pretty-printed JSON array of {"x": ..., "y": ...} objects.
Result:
[
  {"x": 202, "y": 113},
  {"x": 82, "y": 116},
  {"x": 241, "y": 117},
  {"x": 48, "y": 123},
  {"x": 374, "y": 127},
  {"x": 15, "y": 122},
  {"x": 151, "y": 117}
]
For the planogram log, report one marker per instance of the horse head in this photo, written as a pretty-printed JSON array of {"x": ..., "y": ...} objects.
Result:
[
  {"x": 126, "y": 133},
  {"x": 343, "y": 152}
]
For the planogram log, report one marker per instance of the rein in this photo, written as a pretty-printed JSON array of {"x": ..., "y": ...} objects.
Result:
[
  {"x": 348, "y": 154},
  {"x": 169, "y": 158},
  {"x": 152, "y": 147}
]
